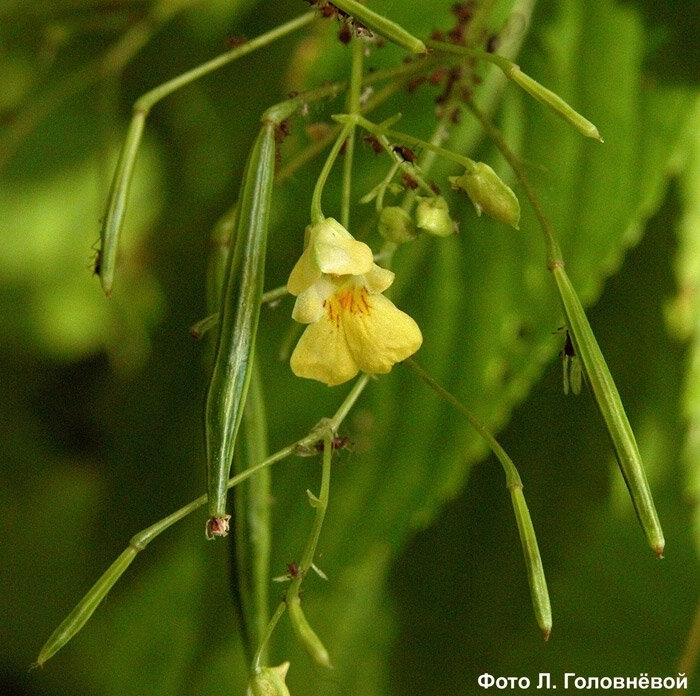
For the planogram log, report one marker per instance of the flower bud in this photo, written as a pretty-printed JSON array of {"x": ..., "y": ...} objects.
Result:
[
  {"x": 396, "y": 225},
  {"x": 489, "y": 194},
  {"x": 269, "y": 682},
  {"x": 433, "y": 216}
]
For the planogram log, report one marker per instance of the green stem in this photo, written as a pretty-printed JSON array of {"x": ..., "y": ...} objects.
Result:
[
  {"x": 512, "y": 477},
  {"x": 252, "y": 519},
  {"x": 398, "y": 77},
  {"x": 554, "y": 255},
  {"x": 353, "y": 107},
  {"x": 528, "y": 540},
  {"x": 209, "y": 322},
  {"x": 303, "y": 630},
  {"x": 587, "y": 349},
  {"x": 77, "y": 618},
  {"x": 379, "y": 130},
  {"x": 119, "y": 191},
  {"x": 258, "y": 659},
  {"x": 443, "y": 47},
  {"x": 513, "y": 72},
  {"x": 316, "y": 211},
  {"x": 327, "y": 429}
]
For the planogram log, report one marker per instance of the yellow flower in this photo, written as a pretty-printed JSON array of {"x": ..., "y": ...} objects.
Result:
[
  {"x": 330, "y": 249},
  {"x": 352, "y": 326}
]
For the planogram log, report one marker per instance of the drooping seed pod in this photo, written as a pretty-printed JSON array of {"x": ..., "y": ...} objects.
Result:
[
  {"x": 240, "y": 311},
  {"x": 306, "y": 635},
  {"x": 381, "y": 25},
  {"x": 554, "y": 102},
  {"x": 609, "y": 404}
]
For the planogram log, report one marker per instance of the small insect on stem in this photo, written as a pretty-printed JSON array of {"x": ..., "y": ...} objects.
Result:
[
  {"x": 235, "y": 41},
  {"x": 293, "y": 572},
  {"x": 405, "y": 153},
  {"x": 97, "y": 262},
  {"x": 374, "y": 143},
  {"x": 409, "y": 182},
  {"x": 337, "y": 443},
  {"x": 571, "y": 367}
]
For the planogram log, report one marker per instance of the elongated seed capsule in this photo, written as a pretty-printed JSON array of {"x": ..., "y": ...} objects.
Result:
[
  {"x": 381, "y": 25},
  {"x": 306, "y": 635},
  {"x": 119, "y": 190},
  {"x": 610, "y": 406},
  {"x": 533, "y": 561},
  {"x": 116, "y": 202},
  {"x": 528, "y": 539},
  {"x": 554, "y": 102},
  {"x": 85, "y": 608},
  {"x": 513, "y": 72},
  {"x": 222, "y": 239},
  {"x": 240, "y": 311}
]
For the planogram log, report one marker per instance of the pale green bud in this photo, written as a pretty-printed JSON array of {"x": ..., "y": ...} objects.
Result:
[
  {"x": 269, "y": 682},
  {"x": 396, "y": 225},
  {"x": 489, "y": 194},
  {"x": 433, "y": 216}
]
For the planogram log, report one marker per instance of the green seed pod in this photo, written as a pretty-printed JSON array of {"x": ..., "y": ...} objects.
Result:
[
  {"x": 269, "y": 682},
  {"x": 433, "y": 216},
  {"x": 554, "y": 102},
  {"x": 306, "y": 635},
  {"x": 240, "y": 311},
  {"x": 396, "y": 225},
  {"x": 84, "y": 609},
  {"x": 489, "y": 194},
  {"x": 381, "y": 25},
  {"x": 533, "y": 561},
  {"x": 609, "y": 404}
]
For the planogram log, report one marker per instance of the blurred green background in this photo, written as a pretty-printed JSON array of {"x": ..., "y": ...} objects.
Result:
[{"x": 102, "y": 402}]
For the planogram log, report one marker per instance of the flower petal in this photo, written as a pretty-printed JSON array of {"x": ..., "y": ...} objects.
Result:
[
  {"x": 304, "y": 274},
  {"x": 337, "y": 252},
  {"x": 378, "y": 279},
  {"x": 381, "y": 336},
  {"x": 322, "y": 353},
  {"x": 309, "y": 306}
]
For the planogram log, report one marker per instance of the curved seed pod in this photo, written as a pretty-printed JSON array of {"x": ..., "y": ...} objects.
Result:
[
  {"x": 381, "y": 25},
  {"x": 306, "y": 635},
  {"x": 119, "y": 190},
  {"x": 116, "y": 202},
  {"x": 240, "y": 311},
  {"x": 533, "y": 561},
  {"x": 554, "y": 102},
  {"x": 610, "y": 406},
  {"x": 80, "y": 614}
]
